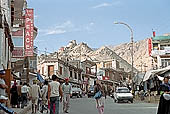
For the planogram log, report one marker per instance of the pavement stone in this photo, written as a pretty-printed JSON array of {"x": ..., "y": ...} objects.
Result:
[{"x": 23, "y": 110}]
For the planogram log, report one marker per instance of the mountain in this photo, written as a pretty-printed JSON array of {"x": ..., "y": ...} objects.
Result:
[
  {"x": 105, "y": 53},
  {"x": 82, "y": 51},
  {"x": 142, "y": 60}
]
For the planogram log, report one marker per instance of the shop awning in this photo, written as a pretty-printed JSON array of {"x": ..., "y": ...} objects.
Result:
[
  {"x": 90, "y": 76},
  {"x": 153, "y": 72},
  {"x": 40, "y": 78}
]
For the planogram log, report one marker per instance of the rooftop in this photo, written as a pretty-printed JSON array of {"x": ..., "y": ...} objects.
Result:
[{"x": 161, "y": 38}]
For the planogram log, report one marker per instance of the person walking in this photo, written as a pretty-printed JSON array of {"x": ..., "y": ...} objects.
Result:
[
  {"x": 54, "y": 94},
  {"x": 14, "y": 95},
  {"x": 3, "y": 95},
  {"x": 44, "y": 96},
  {"x": 66, "y": 88},
  {"x": 104, "y": 90},
  {"x": 24, "y": 95},
  {"x": 34, "y": 93},
  {"x": 164, "y": 103},
  {"x": 19, "y": 95},
  {"x": 99, "y": 97}
]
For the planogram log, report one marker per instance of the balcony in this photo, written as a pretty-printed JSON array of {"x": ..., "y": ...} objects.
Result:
[
  {"x": 165, "y": 51},
  {"x": 156, "y": 53}
]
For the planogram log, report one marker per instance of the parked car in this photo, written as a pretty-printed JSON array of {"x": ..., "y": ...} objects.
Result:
[
  {"x": 76, "y": 91},
  {"x": 90, "y": 92},
  {"x": 123, "y": 94}
]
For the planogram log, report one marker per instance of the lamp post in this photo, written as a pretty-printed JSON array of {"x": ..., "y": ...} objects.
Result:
[{"x": 131, "y": 37}]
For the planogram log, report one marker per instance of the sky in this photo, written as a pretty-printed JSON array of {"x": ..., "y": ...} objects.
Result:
[{"x": 92, "y": 21}]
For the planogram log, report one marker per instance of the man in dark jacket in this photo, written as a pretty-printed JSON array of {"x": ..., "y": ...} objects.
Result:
[{"x": 164, "y": 104}]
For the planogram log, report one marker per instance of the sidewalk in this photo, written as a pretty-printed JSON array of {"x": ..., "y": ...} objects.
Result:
[
  {"x": 23, "y": 110},
  {"x": 151, "y": 99}
]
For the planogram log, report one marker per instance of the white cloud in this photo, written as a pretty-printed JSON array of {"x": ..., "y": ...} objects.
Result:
[
  {"x": 66, "y": 27},
  {"x": 102, "y": 5},
  {"x": 57, "y": 31},
  {"x": 67, "y": 24},
  {"x": 115, "y": 3}
]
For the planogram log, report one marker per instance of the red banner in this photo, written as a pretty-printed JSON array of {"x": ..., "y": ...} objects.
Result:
[
  {"x": 29, "y": 29},
  {"x": 150, "y": 46},
  {"x": 105, "y": 77}
]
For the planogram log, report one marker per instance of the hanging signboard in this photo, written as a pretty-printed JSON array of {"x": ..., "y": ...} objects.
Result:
[{"x": 29, "y": 28}]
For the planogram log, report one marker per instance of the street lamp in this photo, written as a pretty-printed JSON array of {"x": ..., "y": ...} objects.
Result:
[{"x": 131, "y": 37}]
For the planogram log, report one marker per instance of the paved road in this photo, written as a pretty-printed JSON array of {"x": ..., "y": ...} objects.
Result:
[{"x": 87, "y": 106}]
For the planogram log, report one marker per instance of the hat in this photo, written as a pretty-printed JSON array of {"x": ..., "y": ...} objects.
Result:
[
  {"x": 34, "y": 81},
  {"x": 66, "y": 79}
]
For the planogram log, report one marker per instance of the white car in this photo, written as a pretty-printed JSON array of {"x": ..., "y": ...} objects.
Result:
[
  {"x": 76, "y": 92},
  {"x": 123, "y": 94}
]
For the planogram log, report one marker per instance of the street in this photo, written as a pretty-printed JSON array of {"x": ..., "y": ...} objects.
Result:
[{"x": 88, "y": 106}]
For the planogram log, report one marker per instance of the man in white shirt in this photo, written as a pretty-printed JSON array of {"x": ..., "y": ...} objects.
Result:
[
  {"x": 24, "y": 95},
  {"x": 34, "y": 93},
  {"x": 66, "y": 87},
  {"x": 44, "y": 96},
  {"x": 54, "y": 92}
]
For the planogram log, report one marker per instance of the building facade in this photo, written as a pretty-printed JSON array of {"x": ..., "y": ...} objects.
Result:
[
  {"x": 24, "y": 63},
  {"x": 53, "y": 65},
  {"x": 6, "y": 44},
  {"x": 161, "y": 51}
]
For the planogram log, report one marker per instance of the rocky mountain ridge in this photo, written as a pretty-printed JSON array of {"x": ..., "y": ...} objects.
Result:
[
  {"x": 142, "y": 60},
  {"x": 121, "y": 53}
]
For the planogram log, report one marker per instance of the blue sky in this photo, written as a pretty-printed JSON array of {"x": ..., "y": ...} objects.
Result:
[{"x": 91, "y": 21}]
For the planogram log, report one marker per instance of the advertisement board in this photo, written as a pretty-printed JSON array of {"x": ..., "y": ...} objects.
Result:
[{"x": 29, "y": 29}]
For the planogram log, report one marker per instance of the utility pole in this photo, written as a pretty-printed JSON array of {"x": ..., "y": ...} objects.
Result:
[
  {"x": 27, "y": 68},
  {"x": 132, "y": 53}
]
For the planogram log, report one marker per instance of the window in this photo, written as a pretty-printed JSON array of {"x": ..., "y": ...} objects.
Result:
[
  {"x": 18, "y": 41},
  {"x": 165, "y": 62},
  {"x": 71, "y": 74},
  {"x": 50, "y": 70},
  {"x": 75, "y": 75},
  {"x": 79, "y": 76},
  {"x": 88, "y": 70},
  {"x": 61, "y": 70}
]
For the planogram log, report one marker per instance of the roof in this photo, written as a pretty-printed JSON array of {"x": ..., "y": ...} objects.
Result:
[
  {"x": 90, "y": 62},
  {"x": 161, "y": 38}
]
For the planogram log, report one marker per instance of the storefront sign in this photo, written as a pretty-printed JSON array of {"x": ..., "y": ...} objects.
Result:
[
  {"x": 18, "y": 52},
  {"x": 29, "y": 28},
  {"x": 150, "y": 46},
  {"x": 17, "y": 32},
  {"x": 105, "y": 77}
]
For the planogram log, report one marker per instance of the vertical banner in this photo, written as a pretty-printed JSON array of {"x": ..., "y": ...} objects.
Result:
[
  {"x": 29, "y": 29},
  {"x": 150, "y": 46}
]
